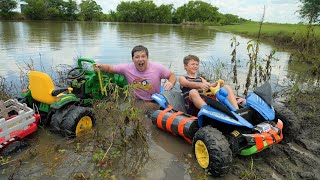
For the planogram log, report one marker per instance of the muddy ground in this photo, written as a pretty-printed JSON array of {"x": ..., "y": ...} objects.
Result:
[{"x": 163, "y": 156}]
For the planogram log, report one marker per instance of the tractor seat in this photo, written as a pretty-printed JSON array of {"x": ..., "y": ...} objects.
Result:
[{"x": 42, "y": 87}]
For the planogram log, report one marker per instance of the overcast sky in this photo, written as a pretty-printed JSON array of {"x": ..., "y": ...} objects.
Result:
[{"x": 281, "y": 11}]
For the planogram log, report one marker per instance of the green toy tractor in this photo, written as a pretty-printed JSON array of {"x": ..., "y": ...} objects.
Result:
[{"x": 67, "y": 110}]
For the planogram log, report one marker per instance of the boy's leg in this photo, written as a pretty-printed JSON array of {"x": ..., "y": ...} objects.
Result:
[
  {"x": 196, "y": 98},
  {"x": 231, "y": 97}
]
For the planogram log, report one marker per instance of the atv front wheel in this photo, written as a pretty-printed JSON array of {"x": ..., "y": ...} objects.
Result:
[
  {"x": 78, "y": 120},
  {"x": 290, "y": 122},
  {"x": 212, "y": 151}
]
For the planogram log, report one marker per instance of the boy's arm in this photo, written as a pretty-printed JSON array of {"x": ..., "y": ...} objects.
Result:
[
  {"x": 171, "y": 82},
  {"x": 194, "y": 85}
]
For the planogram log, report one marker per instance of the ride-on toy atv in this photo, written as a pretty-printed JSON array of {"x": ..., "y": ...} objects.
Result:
[
  {"x": 66, "y": 110},
  {"x": 219, "y": 130}
]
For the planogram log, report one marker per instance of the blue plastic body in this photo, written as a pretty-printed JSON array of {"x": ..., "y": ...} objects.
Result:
[
  {"x": 222, "y": 96},
  {"x": 160, "y": 99},
  {"x": 222, "y": 117},
  {"x": 257, "y": 103}
]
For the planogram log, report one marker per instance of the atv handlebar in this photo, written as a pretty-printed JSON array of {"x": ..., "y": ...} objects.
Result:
[{"x": 213, "y": 90}]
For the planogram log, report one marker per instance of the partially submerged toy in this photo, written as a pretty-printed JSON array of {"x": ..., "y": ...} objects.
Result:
[
  {"x": 16, "y": 122},
  {"x": 219, "y": 130},
  {"x": 67, "y": 110}
]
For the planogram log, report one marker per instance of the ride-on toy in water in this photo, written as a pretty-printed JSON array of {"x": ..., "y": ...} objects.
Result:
[
  {"x": 67, "y": 110},
  {"x": 219, "y": 130},
  {"x": 16, "y": 122}
]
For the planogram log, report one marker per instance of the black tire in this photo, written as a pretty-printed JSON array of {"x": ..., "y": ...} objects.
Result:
[
  {"x": 290, "y": 122},
  {"x": 57, "y": 119},
  {"x": 13, "y": 147},
  {"x": 73, "y": 117},
  {"x": 220, "y": 154}
]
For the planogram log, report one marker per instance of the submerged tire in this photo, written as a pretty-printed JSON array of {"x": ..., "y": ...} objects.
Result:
[
  {"x": 13, "y": 147},
  {"x": 212, "y": 151},
  {"x": 57, "y": 118},
  {"x": 291, "y": 125},
  {"x": 77, "y": 121}
]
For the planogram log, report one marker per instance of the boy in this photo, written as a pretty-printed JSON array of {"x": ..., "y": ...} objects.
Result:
[{"x": 190, "y": 84}]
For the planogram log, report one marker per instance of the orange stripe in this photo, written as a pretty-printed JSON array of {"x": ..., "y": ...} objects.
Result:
[
  {"x": 170, "y": 120},
  {"x": 268, "y": 138},
  {"x": 259, "y": 141},
  {"x": 275, "y": 134},
  {"x": 188, "y": 140},
  {"x": 160, "y": 116},
  {"x": 182, "y": 123}
]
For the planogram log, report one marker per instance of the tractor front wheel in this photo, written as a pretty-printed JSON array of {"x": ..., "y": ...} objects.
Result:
[{"x": 212, "y": 151}]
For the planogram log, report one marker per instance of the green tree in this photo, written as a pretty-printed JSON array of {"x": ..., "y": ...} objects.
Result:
[
  {"x": 164, "y": 14},
  {"x": 71, "y": 10},
  {"x": 55, "y": 9},
  {"x": 141, "y": 11},
  {"x": 229, "y": 19},
  {"x": 197, "y": 11},
  {"x": 6, "y": 7},
  {"x": 310, "y": 10},
  {"x": 90, "y": 10},
  {"x": 36, "y": 9}
]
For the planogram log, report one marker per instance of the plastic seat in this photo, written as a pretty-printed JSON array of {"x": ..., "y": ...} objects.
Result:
[{"x": 41, "y": 87}]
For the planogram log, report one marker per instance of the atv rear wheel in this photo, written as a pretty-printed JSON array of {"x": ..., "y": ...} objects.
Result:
[
  {"x": 212, "y": 151},
  {"x": 290, "y": 122},
  {"x": 77, "y": 121}
]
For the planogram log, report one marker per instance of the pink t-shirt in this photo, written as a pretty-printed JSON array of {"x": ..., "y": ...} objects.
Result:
[{"x": 145, "y": 83}]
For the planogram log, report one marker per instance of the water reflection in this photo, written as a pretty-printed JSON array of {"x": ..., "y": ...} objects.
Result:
[{"x": 54, "y": 43}]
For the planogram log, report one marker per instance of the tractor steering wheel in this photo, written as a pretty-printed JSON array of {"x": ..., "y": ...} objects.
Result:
[{"x": 75, "y": 73}]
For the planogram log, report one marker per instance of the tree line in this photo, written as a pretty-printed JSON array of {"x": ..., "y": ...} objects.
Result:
[{"x": 142, "y": 11}]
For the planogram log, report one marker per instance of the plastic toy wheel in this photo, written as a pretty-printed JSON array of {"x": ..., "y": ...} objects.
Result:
[
  {"x": 75, "y": 73},
  {"x": 290, "y": 122},
  {"x": 77, "y": 121},
  {"x": 57, "y": 118},
  {"x": 212, "y": 151},
  {"x": 13, "y": 147}
]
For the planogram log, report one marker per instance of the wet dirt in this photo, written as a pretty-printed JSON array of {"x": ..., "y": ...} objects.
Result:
[{"x": 165, "y": 156}]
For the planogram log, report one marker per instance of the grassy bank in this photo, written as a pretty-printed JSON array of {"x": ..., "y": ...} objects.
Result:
[{"x": 302, "y": 39}]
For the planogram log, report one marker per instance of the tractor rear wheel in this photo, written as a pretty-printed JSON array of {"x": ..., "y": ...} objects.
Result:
[
  {"x": 57, "y": 118},
  {"x": 78, "y": 120},
  {"x": 212, "y": 151}
]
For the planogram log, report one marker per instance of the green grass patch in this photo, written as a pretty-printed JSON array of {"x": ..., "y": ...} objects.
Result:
[{"x": 252, "y": 28}]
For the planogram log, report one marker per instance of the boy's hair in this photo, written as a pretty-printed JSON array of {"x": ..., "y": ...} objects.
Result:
[
  {"x": 189, "y": 58},
  {"x": 139, "y": 48}
]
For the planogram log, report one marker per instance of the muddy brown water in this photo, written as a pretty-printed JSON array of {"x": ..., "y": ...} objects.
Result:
[{"x": 50, "y": 156}]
